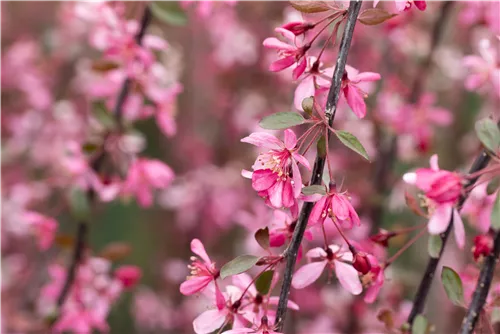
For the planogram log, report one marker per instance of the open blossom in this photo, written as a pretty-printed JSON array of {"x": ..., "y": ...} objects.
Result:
[
  {"x": 485, "y": 68},
  {"x": 333, "y": 205},
  {"x": 275, "y": 169},
  {"x": 443, "y": 189},
  {"x": 44, "y": 228},
  {"x": 145, "y": 175},
  {"x": 290, "y": 53},
  {"x": 354, "y": 95},
  {"x": 333, "y": 258},
  {"x": 203, "y": 272},
  {"x": 316, "y": 80}
]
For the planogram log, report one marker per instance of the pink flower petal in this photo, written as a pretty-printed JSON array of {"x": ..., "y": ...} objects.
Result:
[
  {"x": 198, "y": 248},
  {"x": 274, "y": 43},
  {"x": 262, "y": 139},
  {"x": 355, "y": 100},
  {"x": 302, "y": 160},
  {"x": 276, "y": 194},
  {"x": 440, "y": 219},
  {"x": 290, "y": 139},
  {"x": 317, "y": 211},
  {"x": 304, "y": 90},
  {"x": 194, "y": 285},
  {"x": 365, "y": 77},
  {"x": 301, "y": 67},
  {"x": 348, "y": 277},
  {"x": 297, "y": 179},
  {"x": 288, "y": 195},
  {"x": 433, "y": 162},
  {"x": 281, "y": 64},
  {"x": 209, "y": 321},
  {"x": 263, "y": 179},
  {"x": 458, "y": 228},
  {"x": 316, "y": 253},
  {"x": 308, "y": 274}
]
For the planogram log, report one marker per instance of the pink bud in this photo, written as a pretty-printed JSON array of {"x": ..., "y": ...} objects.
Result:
[
  {"x": 361, "y": 263},
  {"x": 382, "y": 238},
  {"x": 483, "y": 245},
  {"x": 446, "y": 188},
  {"x": 298, "y": 28},
  {"x": 128, "y": 275}
]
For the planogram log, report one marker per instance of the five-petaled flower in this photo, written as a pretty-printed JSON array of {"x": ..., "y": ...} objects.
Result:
[
  {"x": 336, "y": 259},
  {"x": 442, "y": 189},
  {"x": 289, "y": 53},
  {"x": 275, "y": 169}
]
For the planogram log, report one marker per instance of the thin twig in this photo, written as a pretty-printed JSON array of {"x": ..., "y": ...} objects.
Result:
[
  {"x": 388, "y": 149},
  {"x": 319, "y": 164},
  {"x": 482, "y": 288},
  {"x": 82, "y": 229}
]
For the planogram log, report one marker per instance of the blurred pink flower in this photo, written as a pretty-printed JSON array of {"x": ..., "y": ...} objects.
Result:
[
  {"x": 290, "y": 53},
  {"x": 354, "y": 96},
  {"x": 316, "y": 80},
  {"x": 443, "y": 189},
  {"x": 145, "y": 175},
  {"x": 485, "y": 68},
  {"x": 478, "y": 206},
  {"x": 45, "y": 228},
  {"x": 334, "y": 258},
  {"x": 404, "y": 5},
  {"x": 129, "y": 275},
  {"x": 373, "y": 280}
]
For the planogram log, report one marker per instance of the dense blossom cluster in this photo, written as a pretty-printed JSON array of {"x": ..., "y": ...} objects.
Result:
[{"x": 83, "y": 109}]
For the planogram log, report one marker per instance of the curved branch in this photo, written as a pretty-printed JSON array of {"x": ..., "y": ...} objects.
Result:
[{"x": 317, "y": 173}]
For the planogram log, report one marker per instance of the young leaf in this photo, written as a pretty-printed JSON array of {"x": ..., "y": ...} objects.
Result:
[
  {"x": 434, "y": 246},
  {"x": 374, "y": 16},
  {"x": 495, "y": 213},
  {"x": 262, "y": 237},
  {"x": 309, "y": 6},
  {"x": 314, "y": 189},
  {"x": 79, "y": 204},
  {"x": 349, "y": 140},
  {"x": 238, "y": 265},
  {"x": 419, "y": 325},
  {"x": 281, "y": 120},
  {"x": 263, "y": 282},
  {"x": 169, "y": 12},
  {"x": 489, "y": 134},
  {"x": 453, "y": 286}
]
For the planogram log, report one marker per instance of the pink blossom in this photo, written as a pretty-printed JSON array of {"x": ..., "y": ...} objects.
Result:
[
  {"x": 145, "y": 175},
  {"x": 478, "y": 207},
  {"x": 373, "y": 280},
  {"x": 128, "y": 275},
  {"x": 316, "y": 80},
  {"x": 354, "y": 96},
  {"x": 405, "y": 5},
  {"x": 333, "y": 205},
  {"x": 290, "y": 53},
  {"x": 275, "y": 169},
  {"x": 334, "y": 258},
  {"x": 264, "y": 328},
  {"x": 44, "y": 227},
  {"x": 443, "y": 189},
  {"x": 484, "y": 69},
  {"x": 202, "y": 273}
]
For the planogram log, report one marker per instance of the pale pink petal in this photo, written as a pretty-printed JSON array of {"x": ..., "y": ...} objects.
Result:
[
  {"x": 375, "y": 3},
  {"x": 262, "y": 139},
  {"x": 194, "y": 285},
  {"x": 365, "y": 77},
  {"x": 288, "y": 195},
  {"x": 440, "y": 116},
  {"x": 166, "y": 122},
  {"x": 198, "y": 248},
  {"x": 220, "y": 301},
  {"x": 458, "y": 228},
  {"x": 291, "y": 305},
  {"x": 410, "y": 178},
  {"x": 316, "y": 252},
  {"x": 239, "y": 331},
  {"x": 355, "y": 100},
  {"x": 246, "y": 174},
  {"x": 302, "y": 160},
  {"x": 281, "y": 64},
  {"x": 401, "y": 5},
  {"x": 440, "y": 219},
  {"x": 209, "y": 321},
  {"x": 339, "y": 207},
  {"x": 311, "y": 198},
  {"x": 263, "y": 179},
  {"x": 274, "y": 43},
  {"x": 433, "y": 162},
  {"x": 290, "y": 139},
  {"x": 372, "y": 293},
  {"x": 308, "y": 274},
  {"x": 317, "y": 211},
  {"x": 276, "y": 194},
  {"x": 304, "y": 90},
  {"x": 285, "y": 33},
  {"x": 297, "y": 179},
  {"x": 348, "y": 277},
  {"x": 154, "y": 42}
]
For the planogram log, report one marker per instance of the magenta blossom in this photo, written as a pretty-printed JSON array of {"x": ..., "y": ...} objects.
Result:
[
  {"x": 334, "y": 205},
  {"x": 335, "y": 259},
  {"x": 129, "y": 275},
  {"x": 355, "y": 97},
  {"x": 145, "y": 175},
  {"x": 276, "y": 175},
  {"x": 44, "y": 228},
  {"x": 289, "y": 53},
  {"x": 202, "y": 274},
  {"x": 443, "y": 189}
]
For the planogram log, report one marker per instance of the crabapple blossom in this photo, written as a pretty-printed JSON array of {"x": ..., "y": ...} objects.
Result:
[
  {"x": 354, "y": 96},
  {"x": 484, "y": 69},
  {"x": 44, "y": 228},
  {"x": 333, "y": 258},
  {"x": 443, "y": 189}
]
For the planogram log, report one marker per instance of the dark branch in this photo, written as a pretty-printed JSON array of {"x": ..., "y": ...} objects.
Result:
[
  {"x": 482, "y": 289},
  {"x": 319, "y": 164},
  {"x": 82, "y": 231},
  {"x": 388, "y": 149},
  {"x": 423, "y": 290}
]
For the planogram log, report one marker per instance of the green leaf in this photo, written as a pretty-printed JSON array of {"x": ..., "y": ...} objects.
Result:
[
  {"x": 419, "y": 325},
  {"x": 349, "y": 140},
  {"x": 314, "y": 189},
  {"x": 453, "y": 286},
  {"x": 489, "y": 134},
  {"x": 434, "y": 246},
  {"x": 262, "y": 237},
  {"x": 281, "y": 120},
  {"x": 103, "y": 115},
  {"x": 263, "y": 282},
  {"x": 169, "y": 12},
  {"x": 310, "y": 6},
  {"x": 374, "y": 16},
  {"x": 79, "y": 204},
  {"x": 238, "y": 265},
  {"x": 495, "y": 213}
]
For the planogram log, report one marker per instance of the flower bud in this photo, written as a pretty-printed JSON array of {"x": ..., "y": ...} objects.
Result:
[
  {"x": 483, "y": 245},
  {"x": 128, "y": 275},
  {"x": 298, "y": 28},
  {"x": 382, "y": 238},
  {"x": 361, "y": 263},
  {"x": 445, "y": 188}
]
